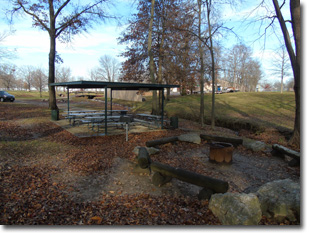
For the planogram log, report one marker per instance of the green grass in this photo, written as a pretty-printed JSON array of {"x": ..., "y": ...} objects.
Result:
[
  {"x": 251, "y": 109},
  {"x": 32, "y": 95},
  {"x": 256, "y": 111},
  {"x": 233, "y": 110}
]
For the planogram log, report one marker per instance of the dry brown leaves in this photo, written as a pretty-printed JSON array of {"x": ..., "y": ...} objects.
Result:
[{"x": 31, "y": 195}]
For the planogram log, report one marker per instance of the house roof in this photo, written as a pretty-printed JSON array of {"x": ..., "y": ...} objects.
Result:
[{"x": 113, "y": 85}]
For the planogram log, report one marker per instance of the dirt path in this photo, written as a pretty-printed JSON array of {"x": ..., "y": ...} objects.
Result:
[{"x": 246, "y": 174}]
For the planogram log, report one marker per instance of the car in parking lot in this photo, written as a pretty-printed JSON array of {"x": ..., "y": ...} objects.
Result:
[{"x": 5, "y": 96}]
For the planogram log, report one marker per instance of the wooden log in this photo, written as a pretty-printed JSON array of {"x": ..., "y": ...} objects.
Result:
[
  {"x": 144, "y": 159},
  {"x": 205, "y": 194},
  {"x": 234, "y": 141},
  {"x": 159, "y": 180},
  {"x": 294, "y": 162},
  {"x": 286, "y": 151},
  {"x": 216, "y": 185},
  {"x": 166, "y": 140}
]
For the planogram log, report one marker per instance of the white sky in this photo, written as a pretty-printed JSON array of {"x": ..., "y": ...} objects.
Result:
[{"x": 83, "y": 53}]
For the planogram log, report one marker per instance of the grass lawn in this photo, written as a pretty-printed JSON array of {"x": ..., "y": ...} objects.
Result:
[
  {"x": 33, "y": 95},
  {"x": 255, "y": 111}
]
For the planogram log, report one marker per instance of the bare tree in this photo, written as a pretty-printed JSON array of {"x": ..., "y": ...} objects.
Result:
[
  {"x": 26, "y": 73},
  {"x": 293, "y": 48},
  {"x": 109, "y": 68},
  {"x": 63, "y": 74},
  {"x": 39, "y": 80},
  {"x": 95, "y": 74},
  {"x": 62, "y": 19},
  {"x": 289, "y": 85},
  {"x": 7, "y": 76},
  {"x": 5, "y": 53},
  {"x": 281, "y": 66},
  {"x": 19, "y": 84},
  {"x": 151, "y": 57},
  {"x": 202, "y": 69},
  {"x": 242, "y": 71}
]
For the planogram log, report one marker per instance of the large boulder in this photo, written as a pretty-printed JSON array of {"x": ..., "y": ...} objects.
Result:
[
  {"x": 191, "y": 138},
  {"x": 150, "y": 150},
  {"x": 254, "y": 145},
  {"x": 236, "y": 208},
  {"x": 280, "y": 200}
]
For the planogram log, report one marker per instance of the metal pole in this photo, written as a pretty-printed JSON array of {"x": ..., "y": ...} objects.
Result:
[
  {"x": 111, "y": 101},
  {"x": 162, "y": 108},
  {"x": 68, "y": 99},
  {"x": 106, "y": 111},
  {"x": 126, "y": 131}
]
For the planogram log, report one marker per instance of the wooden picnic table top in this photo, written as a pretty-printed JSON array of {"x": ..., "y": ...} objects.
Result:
[
  {"x": 148, "y": 115},
  {"x": 86, "y": 114},
  {"x": 102, "y": 117},
  {"x": 81, "y": 111},
  {"x": 124, "y": 110}
]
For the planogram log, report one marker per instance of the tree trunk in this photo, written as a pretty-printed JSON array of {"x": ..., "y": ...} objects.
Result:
[
  {"x": 212, "y": 66},
  {"x": 202, "y": 103},
  {"x": 161, "y": 57},
  {"x": 295, "y": 14},
  {"x": 168, "y": 94},
  {"x": 166, "y": 140},
  {"x": 167, "y": 171},
  {"x": 159, "y": 180},
  {"x": 216, "y": 185},
  {"x": 234, "y": 141},
  {"x": 295, "y": 59},
  {"x": 286, "y": 151},
  {"x": 144, "y": 159},
  {"x": 51, "y": 73},
  {"x": 151, "y": 59},
  {"x": 51, "y": 58}
]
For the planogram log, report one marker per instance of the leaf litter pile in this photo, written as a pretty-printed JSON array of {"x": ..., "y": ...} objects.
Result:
[{"x": 49, "y": 176}]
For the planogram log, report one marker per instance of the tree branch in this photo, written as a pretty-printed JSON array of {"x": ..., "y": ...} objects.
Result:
[
  {"x": 65, "y": 25},
  {"x": 33, "y": 15},
  {"x": 60, "y": 8}
]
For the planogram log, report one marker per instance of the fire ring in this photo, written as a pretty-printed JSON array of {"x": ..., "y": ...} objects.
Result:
[{"x": 221, "y": 152}]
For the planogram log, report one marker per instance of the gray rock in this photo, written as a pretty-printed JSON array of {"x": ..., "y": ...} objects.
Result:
[
  {"x": 280, "y": 200},
  {"x": 236, "y": 208},
  {"x": 254, "y": 145},
  {"x": 150, "y": 150},
  {"x": 192, "y": 138}
]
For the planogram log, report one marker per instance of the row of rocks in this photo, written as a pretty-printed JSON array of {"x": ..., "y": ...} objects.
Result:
[{"x": 278, "y": 200}]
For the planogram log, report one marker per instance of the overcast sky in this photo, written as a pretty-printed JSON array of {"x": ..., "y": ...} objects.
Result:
[{"x": 83, "y": 53}]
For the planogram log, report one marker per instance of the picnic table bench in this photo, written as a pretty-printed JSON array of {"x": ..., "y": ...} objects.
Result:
[
  {"x": 79, "y": 115},
  {"x": 98, "y": 121},
  {"x": 148, "y": 119}
]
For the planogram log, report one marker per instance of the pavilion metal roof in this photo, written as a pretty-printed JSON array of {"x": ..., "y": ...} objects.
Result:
[{"x": 113, "y": 85}]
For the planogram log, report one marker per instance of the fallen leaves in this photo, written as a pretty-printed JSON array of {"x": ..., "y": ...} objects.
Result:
[{"x": 33, "y": 157}]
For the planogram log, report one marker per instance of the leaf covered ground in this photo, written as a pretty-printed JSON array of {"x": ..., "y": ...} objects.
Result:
[{"x": 49, "y": 176}]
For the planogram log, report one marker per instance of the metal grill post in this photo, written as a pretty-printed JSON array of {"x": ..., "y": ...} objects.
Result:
[{"x": 106, "y": 110}]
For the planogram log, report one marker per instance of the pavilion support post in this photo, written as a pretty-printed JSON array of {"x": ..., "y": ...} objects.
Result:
[
  {"x": 111, "y": 100},
  {"x": 68, "y": 100},
  {"x": 106, "y": 110},
  {"x": 162, "y": 108}
]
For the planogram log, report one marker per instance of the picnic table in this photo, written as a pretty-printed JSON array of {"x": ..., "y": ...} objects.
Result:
[
  {"x": 78, "y": 115},
  {"x": 121, "y": 112},
  {"x": 148, "y": 119},
  {"x": 99, "y": 121},
  {"x": 81, "y": 111}
]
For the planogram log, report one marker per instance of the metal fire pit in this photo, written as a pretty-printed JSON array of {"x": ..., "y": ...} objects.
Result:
[{"x": 221, "y": 152}]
